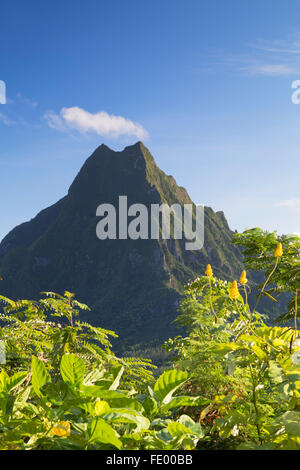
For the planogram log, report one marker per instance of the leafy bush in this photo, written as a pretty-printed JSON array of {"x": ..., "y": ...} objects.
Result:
[
  {"x": 63, "y": 388},
  {"x": 249, "y": 371}
]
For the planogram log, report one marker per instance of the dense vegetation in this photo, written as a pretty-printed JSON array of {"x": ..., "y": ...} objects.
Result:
[{"x": 233, "y": 383}]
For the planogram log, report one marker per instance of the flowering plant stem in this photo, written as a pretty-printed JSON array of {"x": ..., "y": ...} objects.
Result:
[
  {"x": 266, "y": 282},
  {"x": 210, "y": 300}
]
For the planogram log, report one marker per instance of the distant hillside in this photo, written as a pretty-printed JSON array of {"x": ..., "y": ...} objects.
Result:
[{"x": 132, "y": 286}]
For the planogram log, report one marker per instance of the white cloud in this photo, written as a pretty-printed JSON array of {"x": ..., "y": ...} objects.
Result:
[
  {"x": 101, "y": 123},
  {"x": 5, "y": 120},
  {"x": 55, "y": 121}
]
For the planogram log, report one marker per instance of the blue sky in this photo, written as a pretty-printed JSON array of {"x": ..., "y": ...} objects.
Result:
[{"x": 205, "y": 84}]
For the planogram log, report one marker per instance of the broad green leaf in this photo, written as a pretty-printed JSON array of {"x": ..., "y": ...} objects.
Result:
[
  {"x": 160, "y": 422},
  {"x": 291, "y": 422},
  {"x": 6, "y": 403},
  {"x": 168, "y": 383},
  {"x": 40, "y": 375},
  {"x": 116, "y": 382},
  {"x": 99, "y": 392},
  {"x": 185, "y": 427},
  {"x": 100, "y": 431},
  {"x": 152, "y": 393},
  {"x": 178, "y": 429},
  {"x": 56, "y": 392},
  {"x": 189, "y": 423},
  {"x": 16, "y": 380},
  {"x": 150, "y": 405},
  {"x": 3, "y": 380},
  {"x": 93, "y": 376},
  {"x": 23, "y": 396},
  {"x": 80, "y": 427},
  {"x": 124, "y": 402},
  {"x": 164, "y": 435},
  {"x": 119, "y": 415},
  {"x": 184, "y": 401},
  {"x": 72, "y": 369}
]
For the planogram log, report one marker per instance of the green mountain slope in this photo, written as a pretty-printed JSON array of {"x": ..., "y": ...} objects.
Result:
[{"x": 132, "y": 286}]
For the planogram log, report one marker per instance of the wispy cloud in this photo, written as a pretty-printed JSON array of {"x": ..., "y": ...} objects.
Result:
[
  {"x": 290, "y": 203},
  {"x": 55, "y": 121},
  {"x": 5, "y": 120},
  {"x": 271, "y": 70},
  {"x": 27, "y": 101},
  {"x": 267, "y": 58},
  {"x": 286, "y": 46},
  {"x": 101, "y": 123}
]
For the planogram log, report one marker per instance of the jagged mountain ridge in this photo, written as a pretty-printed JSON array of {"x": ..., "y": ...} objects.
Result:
[{"x": 132, "y": 286}]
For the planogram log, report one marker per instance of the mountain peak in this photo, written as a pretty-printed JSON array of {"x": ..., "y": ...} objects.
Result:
[
  {"x": 137, "y": 146},
  {"x": 103, "y": 147},
  {"x": 124, "y": 168},
  {"x": 131, "y": 285}
]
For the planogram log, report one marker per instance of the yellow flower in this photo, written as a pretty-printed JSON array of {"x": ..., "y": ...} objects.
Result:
[
  {"x": 208, "y": 271},
  {"x": 60, "y": 429},
  {"x": 234, "y": 292},
  {"x": 243, "y": 278},
  {"x": 278, "y": 251}
]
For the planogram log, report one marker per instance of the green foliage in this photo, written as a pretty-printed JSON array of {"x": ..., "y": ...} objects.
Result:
[
  {"x": 64, "y": 413},
  {"x": 72, "y": 369},
  {"x": 249, "y": 371},
  {"x": 28, "y": 331},
  {"x": 63, "y": 388},
  {"x": 205, "y": 334},
  {"x": 258, "y": 250},
  {"x": 39, "y": 375}
]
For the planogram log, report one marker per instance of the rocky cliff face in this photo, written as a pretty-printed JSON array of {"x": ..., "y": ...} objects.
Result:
[{"x": 132, "y": 286}]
